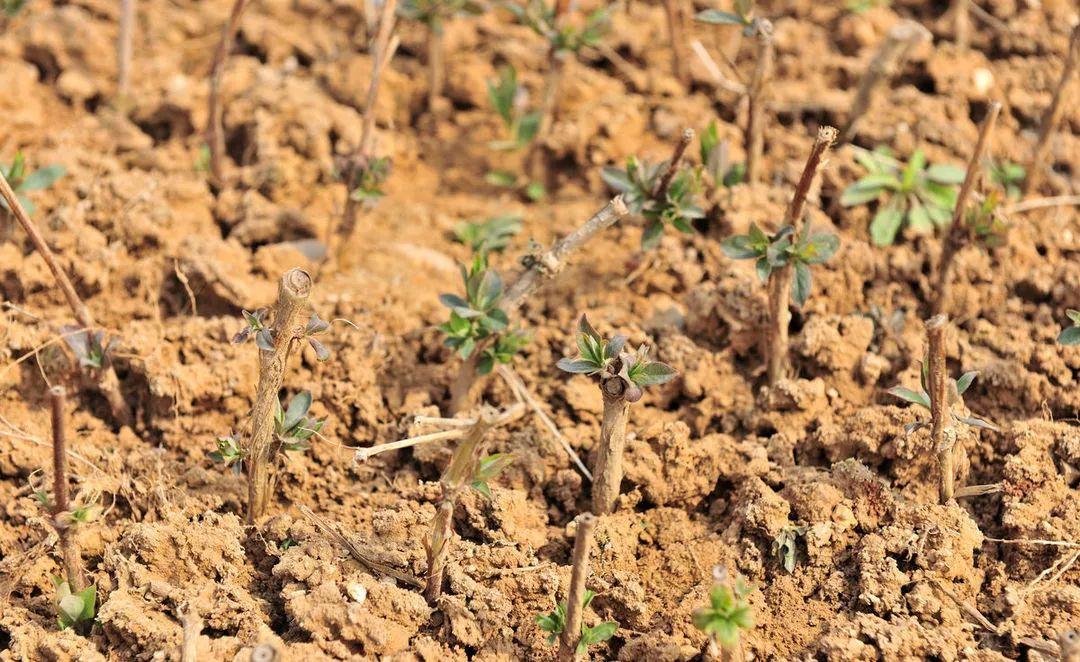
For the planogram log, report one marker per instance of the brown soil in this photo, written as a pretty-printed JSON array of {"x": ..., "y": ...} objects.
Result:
[{"x": 715, "y": 468}]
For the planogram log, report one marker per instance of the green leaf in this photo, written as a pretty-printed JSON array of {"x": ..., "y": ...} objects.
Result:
[
  {"x": 977, "y": 423},
  {"x": 919, "y": 218},
  {"x": 535, "y": 192},
  {"x": 1070, "y": 336},
  {"x": 298, "y": 407},
  {"x": 578, "y": 366},
  {"x": 717, "y": 17},
  {"x": 321, "y": 352},
  {"x": 650, "y": 239},
  {"x": 652, "y": 373},
  {"x": 43, "y": 178},
  {"x": 501, "y": 178},
  {"x": 739, "y": 247},
  {"x": 910, "y": 396},
  {"x": 819, "y": 248},
  {"x": 1073, "y": 315},
  {"x": 886, "y": 224},
  {"x": 965, "y": 380},
  {"x": 763, "y": 268},
  {"x": 618, "y": 180},
  {"x": 800, "y": 285},
  {"x": 528, "y": 127},
  {"x": 944, "y": 173},
  {"x": 915, "y": 165}
]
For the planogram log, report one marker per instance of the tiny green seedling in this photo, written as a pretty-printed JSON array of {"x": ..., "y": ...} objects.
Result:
[
  {"x": 364, "y": 178},
  {"x": 521, "y": 126},
  {"x": 714, "y": 156},
  {"x": 541, "y": 19},
  {"x": 90, "y": 347},
  {"x": 554, "y": 624},
  {"x": 478, "y": 317},
  {"x": 776, "y": 251},
  {"x": 230, "y": 452},
  {"x": 1070, "y": 335},
  {"x": 488, "y": 468},
  {"x": 863, "y": 6},
  {"x": 1009, "y": 176},
  {"x": 743, "y": 16},
  {"x": 492, "y": 235},
  {"x": 434, "y": 13},
  {"x": 639, "y": 185},
  {"x": 921, "y": 197},
  {"x": 785, "y": 546},
  {"x": 922, "y": 399},
  {"x": 23, "y": 182},
  {"x": 727, "y": 615},
  {"x": 74, "y": 609},
  {"x": 256, "y": 326},
  {"x": 986, "y": 225},
  {"x": 292, "y": 427}
]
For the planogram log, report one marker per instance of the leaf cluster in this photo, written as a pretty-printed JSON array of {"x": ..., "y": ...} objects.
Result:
[
  {"x": 1007, "y": 175},
  {"x": 986, "y": 225},
  {"x": 74, "y": 609},
  {"x": 922, "y": 399},
  {"x": 677, "y": 207},
  {"x": 492, "y": 235},
  {"x": 257, "y": 327},
  {"x": 488, "y": 468},
  {"x": 743, "y": 16},
  {"x": 538, "y": 16},
  {"x": 714, "y": 156},
  {"x": 292, "y": 427},
  {"x": 89, "y": 347},
  {"x": 554, "y": 624},
  {"x": 782, "y": 249},
  {"x": 1070, "y": 335},
  {"x": 434, "y": 13},
  {"x": 366, "y": 177},
  {"x": 21, "y": 180},
  {"x": 599, "y": 356},
  {"x": 727, "y": 615},
  {"x": 230, "y": 453},
  {"x": 508, "y": 98},
  {"x": 920, "y": 196}
]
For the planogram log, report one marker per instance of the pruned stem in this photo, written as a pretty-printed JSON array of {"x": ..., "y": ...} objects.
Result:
[
  {"x": 537, "y": 269},
  {"x": 454, "y": 481},
  {"x": 123, "y": 49},
  {"x": 676, "y": 18},
  {"x": 685, "y": 139},
  {"x": 757, "y": 95},
  {"x": 1052, "y": 114},
  {"x": 215, "y": 133},
  {"x": 69, "y": 548},
  {"x": 942, "y": 435},
  {"x": 575, "y": 596},
  {"x": 961, "y": 14},
  {"x": 436, "y": 69},
  {"x": 107, "y": 382},
  {"x": 608, "y": 471},
  {"x": 780, "y": 280},
  {"x": 954, "y": 237},
  {"x": 289, "y": 322},
  {"x": 898, "y": 43},
  {"x": 192, "y": 625}
]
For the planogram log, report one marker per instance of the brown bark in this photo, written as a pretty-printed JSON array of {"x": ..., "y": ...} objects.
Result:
[
  {"x": 1052, "y": 115},
  {"x": 757, "y": 96},
  {"x": 955, "y": 236},
  {"x": 215, "y": 133},
  {"x": 69, "y": 548},
  {"x": 608, "y": 471},
  {"x": 941, "y": 433},
  {"x": 571, "y": 635},
  {"x": 779, "y": 286},
  {"x": 289, "y": 322}
]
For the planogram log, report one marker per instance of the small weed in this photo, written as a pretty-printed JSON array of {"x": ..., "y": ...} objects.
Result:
[
  {"x": 74, "y": 609},
  {"x": 782, "y": 249},
  {"x": 922, "y": 399},
  {"x": 488, "y": 468},
  {"x": 230, "y": 452},
  {"x": 492, "y": 235},
  {"x": 642, "y": 187},
  {"x": 743, "y": 16},
  {"x": 365, "y": 177},
  {"x": 727, "y": 615},
  {"x": 12, "y": 7},
  {"x": 292, "y": 427},
  {"x": 1070, "y": 335},
  {"x": 714, "y": 156},
  {"x": 23, "y": 182},
  {"x": 1007, "y": 175},
  {"x": 554, "y": 624},
  {"x": 90, "y": 347},
  {"x": 540, "y": 17}
]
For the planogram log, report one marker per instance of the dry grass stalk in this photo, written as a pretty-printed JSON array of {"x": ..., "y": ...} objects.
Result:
[
  {"x": 1052, "y": 115},
  {"x": 575, "y": 597},
  {"x": 215, "y": 133},
  {"x": 457, "y": 431},
  {"x": 757, "y": 96},
  {"x": 69, "y": 548},
  {"x": 779, "y": 285},
  {"x": 956, "y": 235},
  {"x": 676, "y": 19},
  {"x": 289, "y": 321}
]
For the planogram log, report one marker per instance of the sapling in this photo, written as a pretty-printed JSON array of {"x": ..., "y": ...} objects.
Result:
[
  {"x": 1052, "y": 115},
  {"x": 622, "y": 376},
  {"x": 910, "y": 194},
  {"x": 726, "y": 617},
  {"x": 490, "y": 236},
  {"x": 434, "y": 14},
  {"x": 901, "y": 39},
  {"x": 1070, "y": 335},
  {"x": 566, "y": 623},
  {"x": 539, "y": 266},
  {"x": 87, "y": 334},
  {"x": 663, "y": 193},
  {"x": 757, "y": 89},
  {"x": 719, "y": 170},
  {"x": 783, "y": 260},
  {"x": 521, "y": 125},
  {"x": 960, "y": 231},
  {"x": 215, "y": 133},
  {"x": 943, "y": 397}
]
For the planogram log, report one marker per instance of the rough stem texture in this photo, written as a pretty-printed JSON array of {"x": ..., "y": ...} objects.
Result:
[
  {"x": 608, "y": 470},
  {"x": 537, "y": 269},
  {"x": 937, "y": 383},
  {"x": 961, "y": 11},
  {"x": 757, "y": 96},
  {"x": 779, "y": 286},
  {"x": 1052, "y": 115},
  {"x": 898, "y": 43},
  {"x": 215, "y": 133},
  {"x": 456, "y": 479},
  {"x": 954, "y": 237},
  {"x": 107, "y": 381},
  {"x": 289, "y": 322},
  {"x": 685, "y": 139},
  {"x": 571, "y": 635},
  {"x": 192, "y": 625},
  {"x": 436, "y": 70},
  {"x": 676, "y": 18},
  {"x": 123, "y": 49},
  {"x": 69, "y": 548}
]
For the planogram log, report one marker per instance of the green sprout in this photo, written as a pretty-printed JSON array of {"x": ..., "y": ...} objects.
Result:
[
  {"x": 1070, "y": 335},
  {"x": 492, "y": 235},
  {"x": 292, "y": 427},
  {"x": 86, "y": 507},
  {"x": 508, "y": 97},
  {"x": 1008, "y": 175},
  {"x": 555, "y": 623},
  {"x": 202, "y": 158},
  {"x": 956, "y": 395},
  {"x": 488, "y": 468},
  {"x": 727, "y": 615},
  {"x": 478, "y": 317},
  {"x": 434, "y": 13},
  {"x": 920, "y": 196},
  {"x": 598, "y": 356},
  {"x": 90, "y": 347},
  {"x": 986, "y": 224},
  {"x": 781, "y": 249},
  {"x": 743, "y": 16},
  {"x": 74, "y": 609},
  {"x": 230, "y": 453},
  {"x": 365, "y": 177},
  {"x": 540, "y": 18},
  {"x": 714, "y": 155},
  {"x": 677, "y": 206},
  {"x": 863, "y": 6},
  {"x": 23, "y": 182},
  {"x": 256, "y": 327},
  {"x": 785, "y": 546}
]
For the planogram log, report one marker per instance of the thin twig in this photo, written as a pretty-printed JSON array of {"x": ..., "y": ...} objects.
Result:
[
  {"x": 672, "y": 167},
  {"x": 1021, "y": 541},
  {"x": 942, "y": 436},
  {"x": 460, "y": 430},
  {"x": 215, "y": 133},
  {"x": 710, "y": 66},
  {"x": 123, "y": 50},
  {"x": 69, "y": 548},
  {"x": 968, "y": 491},
  {"x": 962, "y": 23},
  {"x": 575, "y": 596},
  {"x": 970, "y": 610},
  {"x": 676, "y": 18},
  {"x": 757, "y": 94},
  {"x": 1052, "y": 114},
  {"x": 1043, "y": 203}
]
